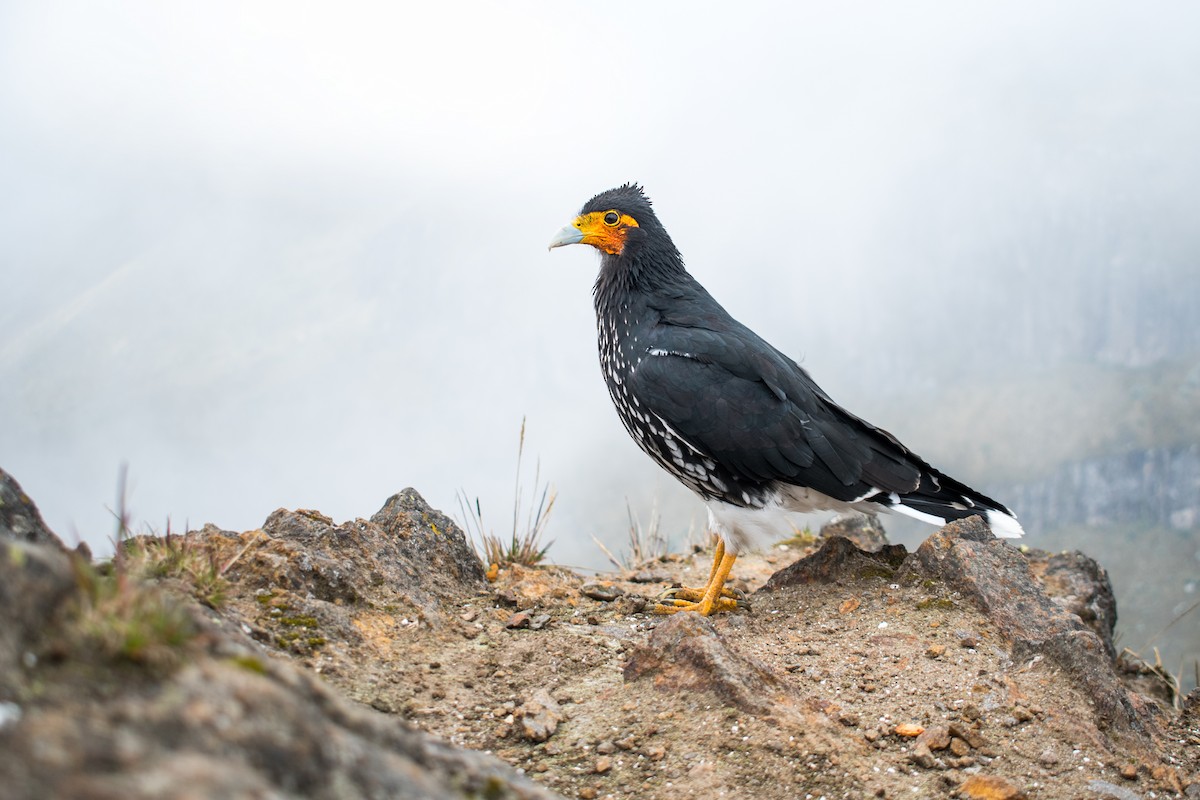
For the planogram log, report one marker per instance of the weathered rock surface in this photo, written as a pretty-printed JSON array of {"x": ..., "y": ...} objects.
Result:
[
  {"x": 864, "y": 530},
  {"x": 946, "y": 672},
  {"x": 19, "y": 517},
  {"x": 89, "y": 717},
  {"x": 686, "y": 653}
]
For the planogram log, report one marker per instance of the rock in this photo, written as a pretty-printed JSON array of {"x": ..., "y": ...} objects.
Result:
[
  {"x": 520, "y": 619},
  {"x": 1129, "y": 772},
  {"x": 604, "y": 592},
  {"x": 1111, "y": 790},
  {"x": 222, "y": 719},
  {"x": 864, "y": 530},
  {"x": 19, "y": 517},
  {"x": 908, "y": 730},
  {"x": 685, "y": 652},
  {"x": 1079, "y": 585},
  {"x": 838, "y": 558},
  {"x": 602, "y": 765},
  {"x": 922, "y": 757},
  {"x": 989, "y": 787},
  {"x": 36, "y": 584},
  {"x": 936, "y": 737},
  {"x": 967, "y": 558},
  {"x": 406, "y": 550},
  {"x": 538, "y": 717}
]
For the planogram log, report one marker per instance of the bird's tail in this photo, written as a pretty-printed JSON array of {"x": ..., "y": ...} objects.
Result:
[{"x": 939, "y": 499}]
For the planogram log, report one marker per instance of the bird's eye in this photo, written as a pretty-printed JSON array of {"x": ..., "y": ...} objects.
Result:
[{"x": 612, "y": 218}]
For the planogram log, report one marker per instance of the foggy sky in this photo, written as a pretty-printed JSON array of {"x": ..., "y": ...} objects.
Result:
[{"x": 292, "y": 255}]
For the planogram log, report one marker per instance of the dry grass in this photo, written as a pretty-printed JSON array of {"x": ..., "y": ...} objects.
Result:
[{"x": 524, "y": 544}]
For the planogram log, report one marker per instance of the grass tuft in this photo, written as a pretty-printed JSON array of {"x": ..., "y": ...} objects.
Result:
[{"x": 524, "y": 545}]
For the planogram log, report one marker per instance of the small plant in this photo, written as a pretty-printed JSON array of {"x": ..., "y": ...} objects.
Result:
[
  {"x": 646, "y": 542},
  {"x": 524, "y": 546},
  {"x": 121, "y": 619}
]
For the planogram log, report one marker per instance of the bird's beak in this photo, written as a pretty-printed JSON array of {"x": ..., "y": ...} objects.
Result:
[{"x": 568, "y": 235}]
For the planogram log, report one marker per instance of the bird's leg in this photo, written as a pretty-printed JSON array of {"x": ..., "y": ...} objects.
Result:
[{"x": 714, "y": 596}]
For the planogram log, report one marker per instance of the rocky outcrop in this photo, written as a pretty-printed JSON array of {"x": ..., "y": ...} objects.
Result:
[
  {"x": 19, "y": 517},
  {"x": 110, "y": 688}
]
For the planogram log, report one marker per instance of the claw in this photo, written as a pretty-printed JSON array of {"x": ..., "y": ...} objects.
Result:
[
  {"x": 673, "y": 606},
  {"x": 695, "y": 595}
]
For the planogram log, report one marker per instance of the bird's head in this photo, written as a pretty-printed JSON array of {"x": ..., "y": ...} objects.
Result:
[{"x": 615, "y": 222}]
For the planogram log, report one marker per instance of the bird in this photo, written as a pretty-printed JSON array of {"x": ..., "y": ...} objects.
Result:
[{"x": 732, "y": 417}]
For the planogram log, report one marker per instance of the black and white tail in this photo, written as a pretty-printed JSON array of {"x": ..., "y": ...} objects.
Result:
[{"x": 939, "y": 499}]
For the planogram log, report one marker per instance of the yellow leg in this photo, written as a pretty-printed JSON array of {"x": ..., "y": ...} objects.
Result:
[{"x": 713, "y": 597}]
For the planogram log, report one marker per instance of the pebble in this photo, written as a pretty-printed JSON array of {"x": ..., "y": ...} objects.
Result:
[
  {"x": 606, "y": 748},
  {"x": 989, "y": 787},
  {"x": 519, "y": 620},
  {"x": 1129, "y": 772},
  {"x": 605, "y": 593},
  {"x": 603, "y": 765},
  {"x": 935, "y": 651},
  {"x": 908, "y": 729},
  {"x": 936, "y": 737},
  {"x": 656, "y": 752},
  {"x": 1048, "y": 758},
  {"x": 959, "y": 748},
  {"x": 969, "y": 641},
  {"x": 588, "y": 793}
]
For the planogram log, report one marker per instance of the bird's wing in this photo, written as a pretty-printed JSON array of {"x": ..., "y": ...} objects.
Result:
[{"x": 739, "y": 400}]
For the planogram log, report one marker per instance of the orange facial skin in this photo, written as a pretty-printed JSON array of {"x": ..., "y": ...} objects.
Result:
[{"x": 605, "y": 230}]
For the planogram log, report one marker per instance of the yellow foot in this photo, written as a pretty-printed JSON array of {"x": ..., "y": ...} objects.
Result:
[
  {"x": 695, "y": 595},
  {"x": 674, "y": 606}
]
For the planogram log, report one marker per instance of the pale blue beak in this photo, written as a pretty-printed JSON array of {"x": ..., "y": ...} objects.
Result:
[{"x": 568, "y": 235}]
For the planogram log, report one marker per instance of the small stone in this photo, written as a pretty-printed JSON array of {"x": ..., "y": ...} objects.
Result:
[
  {"x": 848, "y": 719},
  {"x": 937, "y": 737},
  {"x": 935, "y": 651},
  {"x": 968, "y": 641},
  {"x": 627, "y": 743},
  {"x": 1048, "y": 758},
  {"x": 972, "y": 713},
  {"x": 1022, "y": 714},
  {"x": 989, "y": 787},
  {"x": 606, "y": 748},
  {"x": 656, "y": 752},
  {"x": 908, "y": 729},
  {"x": 921, "y": 756},
  {"x": 968, "y": 735},
  {"x": 604, "y": 592},
  {"x": 539, "y": 716},
  {"x": 871, "y": 735},
  {"x": 959, "y": 748},
  {"x": 588, "y": 793},
  {"x": 1129, "y": 772},
  {"x": 539, "y": 622},
  {"x": 646, "y": 576},
  {"x": 519, "y": 620},
  {"x": 603, "y": 765}
]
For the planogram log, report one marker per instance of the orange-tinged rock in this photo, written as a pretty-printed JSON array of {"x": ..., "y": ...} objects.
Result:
[
  {"x": 909, "y": 729},
  {"x": 989, "y": 787}
]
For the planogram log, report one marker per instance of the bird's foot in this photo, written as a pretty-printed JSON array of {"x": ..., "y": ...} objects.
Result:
[
  {"x": 682, "y": 598},
  {"x": 672, "y": 605},
  {"x": 695, "y": 595}
]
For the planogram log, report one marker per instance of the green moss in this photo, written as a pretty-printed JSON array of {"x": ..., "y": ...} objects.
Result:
[
  {"x": 877, "y": 572},
  {"x": 315, "y": 641},
  {"x": 250, "y": 664},
  {"x": 298, "y": 622},
  {"x": 942, "y": 603}
]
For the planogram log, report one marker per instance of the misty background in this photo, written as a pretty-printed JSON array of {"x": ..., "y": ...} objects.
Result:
[{"x": 294, "y": 255}]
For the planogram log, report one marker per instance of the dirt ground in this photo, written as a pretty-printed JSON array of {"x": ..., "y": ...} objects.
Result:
[{"x": 864, "y": 687}]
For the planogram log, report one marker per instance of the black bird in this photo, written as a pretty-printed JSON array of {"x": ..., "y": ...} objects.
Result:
[{"x": 735, "y": 420}]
